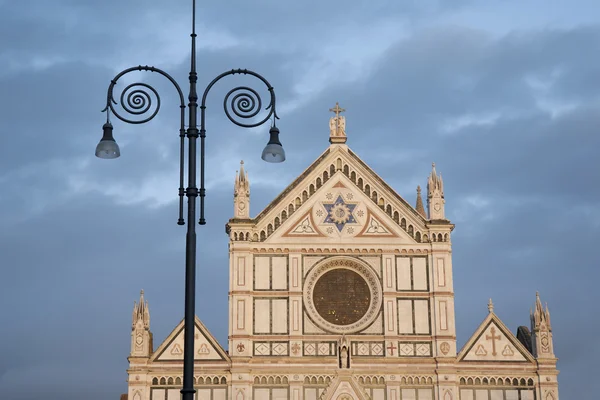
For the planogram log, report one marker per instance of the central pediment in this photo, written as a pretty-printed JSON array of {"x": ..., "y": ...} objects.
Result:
[
  {"x": 339, "y": 212},
  {"x": 338, "y": 198}
]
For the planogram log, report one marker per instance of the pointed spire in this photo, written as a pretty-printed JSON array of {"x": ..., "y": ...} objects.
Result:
[
  {"x": 241, "y": 193},
  {"x": 141, "y": 337},
  {"x": 490, "y": 306},
  {"x": 541, "y": 330},
  {"x": 420, "y": 208},
  {"x": 540, "y": 316},
  {"x": 435, "y": 195},
  {"x": 243, "y": 175},
  {"x": 141, "y": 312},
  {"x": 242, "y": 183},
  {"x": 435, "y": 182}
]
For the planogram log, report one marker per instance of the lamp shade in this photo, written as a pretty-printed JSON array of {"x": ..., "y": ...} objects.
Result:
[
  {"x": 273, "y": 151},
  {"x": 108, "y": 147}
]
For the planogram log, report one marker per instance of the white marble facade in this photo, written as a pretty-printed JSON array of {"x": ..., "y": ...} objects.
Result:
[{"x": 340, "y": 289}]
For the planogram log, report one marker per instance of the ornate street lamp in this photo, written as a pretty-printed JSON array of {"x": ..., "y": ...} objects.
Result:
[{"x": 245, "y": 103}]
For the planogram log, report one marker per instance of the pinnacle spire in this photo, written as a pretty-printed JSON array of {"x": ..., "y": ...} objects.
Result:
[
  {"x": 241, "y": 193},
  {"x": 141, "y": 312},
  {"x": 420, "y": 208},
  {"x": 540, "y": 315},
  {"x": 243, "y": 174},
  {"x": 541, "y": 330},
  {"x": 435, "y": 195},
  {"x": 435, "y": 182},
  {"x": 490, "y": 306}
]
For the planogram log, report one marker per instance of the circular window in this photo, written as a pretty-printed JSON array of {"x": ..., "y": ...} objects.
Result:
[{"x": 342, "y": 295}]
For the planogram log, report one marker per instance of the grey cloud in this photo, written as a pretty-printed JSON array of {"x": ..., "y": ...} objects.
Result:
[{"x": 74, "y": 267}]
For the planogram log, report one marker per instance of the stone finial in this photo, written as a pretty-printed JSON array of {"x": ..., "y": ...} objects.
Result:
[
  {"x": 490, "y": 306},
  {"x": 420, "y": 208},
  {"x": 337, "y": 125}
]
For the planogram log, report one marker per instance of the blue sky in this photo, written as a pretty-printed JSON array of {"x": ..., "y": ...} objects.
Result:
[{"x": 503, "y": 95}]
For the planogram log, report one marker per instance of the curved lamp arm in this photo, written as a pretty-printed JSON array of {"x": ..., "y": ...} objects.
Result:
[
  {"x": 244, "y": 103},
  {"x": 136, "y": 99}
]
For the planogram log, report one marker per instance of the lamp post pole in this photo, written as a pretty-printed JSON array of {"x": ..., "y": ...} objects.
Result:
[{"x": 240, "y": 103}]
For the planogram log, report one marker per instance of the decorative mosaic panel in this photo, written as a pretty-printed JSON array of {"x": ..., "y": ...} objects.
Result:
[
  {"x": 370, "y": 349},
  {"x": 271, "y": 349},
  {"x": 320, "y": 349},
  {"x": 414, "y": 349}
]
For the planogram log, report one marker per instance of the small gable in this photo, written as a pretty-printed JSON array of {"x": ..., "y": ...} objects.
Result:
[
  {"x": 344, "y": 386},
  {"x": 493, "y": 342},
  {"x": 206, "y": 347}
]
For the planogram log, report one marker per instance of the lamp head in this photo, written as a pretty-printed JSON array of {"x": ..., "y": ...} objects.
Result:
[
  {"x": 273, "y": 151},
  {"x": 108, "y": 147}
]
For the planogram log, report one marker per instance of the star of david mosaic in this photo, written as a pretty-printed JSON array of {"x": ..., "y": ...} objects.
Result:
[{"x": 339, "y": 213}]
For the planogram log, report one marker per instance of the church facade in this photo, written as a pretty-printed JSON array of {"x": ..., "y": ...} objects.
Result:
[{"x": 342, "y": 290}]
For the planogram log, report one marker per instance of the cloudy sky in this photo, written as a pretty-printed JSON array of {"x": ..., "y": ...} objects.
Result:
[{"x": 503, "y": 95}]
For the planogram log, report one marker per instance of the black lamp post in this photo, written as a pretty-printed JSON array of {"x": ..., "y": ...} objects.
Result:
[{"x": 245, "y": 103}]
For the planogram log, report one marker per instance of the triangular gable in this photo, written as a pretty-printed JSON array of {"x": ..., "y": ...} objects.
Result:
[
  {"x": 339, "y": 212},
  {"x": 494, "y": 342},
  {"x": 303, "y": 227},
  {"x": 344, "y": 385},
  {"x": 337, "y": 161},
  {"x": 206, "y": 347}
]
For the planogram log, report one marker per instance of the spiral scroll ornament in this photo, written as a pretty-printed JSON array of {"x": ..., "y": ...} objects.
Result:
[
  {"x": 137, "y": 99},
  {"x": 244, "y": 103}
]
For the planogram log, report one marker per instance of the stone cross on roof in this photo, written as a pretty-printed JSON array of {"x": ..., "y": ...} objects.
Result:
[{"x": 337, "y": 125}]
